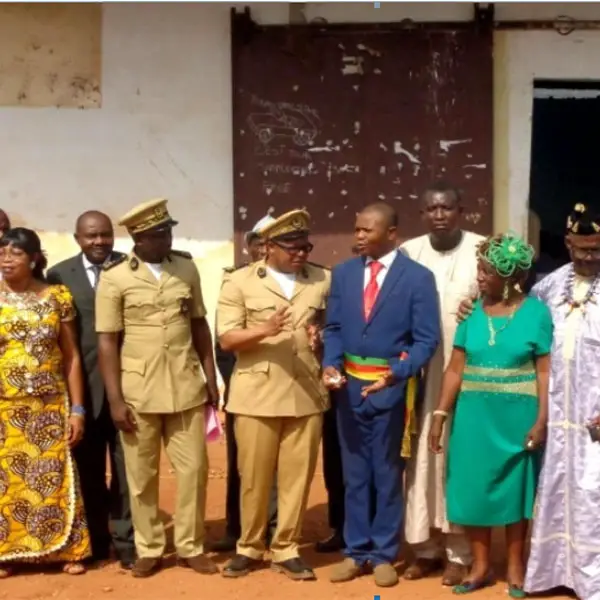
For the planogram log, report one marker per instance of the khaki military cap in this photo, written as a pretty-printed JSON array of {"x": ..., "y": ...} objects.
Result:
[
  {"x": 148, "y": 215},
  {"x": 257, "y": 229},
  {"x": 291, "y": 224}
]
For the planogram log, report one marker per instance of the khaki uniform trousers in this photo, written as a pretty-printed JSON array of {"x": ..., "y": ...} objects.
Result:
[
  {"x": 183, "y": 435},
  {"x": 288, "y": 446}
]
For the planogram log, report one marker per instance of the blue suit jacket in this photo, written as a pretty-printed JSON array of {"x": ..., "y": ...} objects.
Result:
[{"x": 405, "y": 318}]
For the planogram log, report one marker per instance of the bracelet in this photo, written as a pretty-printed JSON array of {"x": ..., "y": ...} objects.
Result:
[
  {"x": 77, "y": 411},
  {"x": 440, "y": 413}
]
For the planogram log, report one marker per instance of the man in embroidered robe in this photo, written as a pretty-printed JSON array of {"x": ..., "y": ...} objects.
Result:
[
  {"x": 565, "y": 544},
  {"x": 451, "y": 254},
  {"x": 382, "y": 328}
]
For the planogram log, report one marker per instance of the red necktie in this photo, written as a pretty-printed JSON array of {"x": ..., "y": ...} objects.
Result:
[{"x": 372, "y": 289}]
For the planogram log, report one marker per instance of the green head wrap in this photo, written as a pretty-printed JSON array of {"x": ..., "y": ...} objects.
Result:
[{"x": 508, "y": 253}]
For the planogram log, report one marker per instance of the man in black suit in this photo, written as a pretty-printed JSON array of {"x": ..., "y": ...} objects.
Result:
[
  {"x": 225, "y": 363},
  {"x": 104, "y": 505}
]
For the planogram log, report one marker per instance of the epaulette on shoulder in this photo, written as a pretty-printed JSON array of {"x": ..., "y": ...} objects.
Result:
[
  {"x": 234, "y": 269},
  {"x": 182, "y": 253},
  {"x": 114, "y": 263},
  {"x": 317, "y": 265}
]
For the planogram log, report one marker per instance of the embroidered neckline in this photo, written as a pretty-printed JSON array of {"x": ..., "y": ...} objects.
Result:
[{"x": 568, "y": 292}]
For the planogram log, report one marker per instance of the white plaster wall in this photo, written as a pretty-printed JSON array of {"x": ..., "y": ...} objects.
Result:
[
  {"x": 164, "y": 127},
  {"x": 526, "y": 56}
]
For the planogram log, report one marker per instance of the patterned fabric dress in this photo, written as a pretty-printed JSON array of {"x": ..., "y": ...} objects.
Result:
[{"x": 41, "y": 511}]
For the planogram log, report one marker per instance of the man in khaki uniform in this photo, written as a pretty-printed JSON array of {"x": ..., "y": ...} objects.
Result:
[
  {"x": 256, "y": 249},
  {"x": 154, "y": 346},
  {"x": 264, "y": 313}
]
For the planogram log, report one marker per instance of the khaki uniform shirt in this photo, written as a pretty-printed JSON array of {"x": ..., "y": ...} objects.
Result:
[
  {"x": 160, "y": 369},
  {"x": 280, "y": 376}
]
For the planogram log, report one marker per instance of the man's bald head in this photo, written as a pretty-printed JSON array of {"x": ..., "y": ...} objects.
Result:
[
  {"x": 4, "y": 222},
  {"x": 95, "y": 236},
  {"x": 385, "y": 211},
  {"x": 92, "y": 216}
]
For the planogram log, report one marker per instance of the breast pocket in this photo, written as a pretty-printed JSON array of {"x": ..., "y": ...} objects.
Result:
[
  {"x": 139, "y": 310},
  {"x": 259, "y": 312}
]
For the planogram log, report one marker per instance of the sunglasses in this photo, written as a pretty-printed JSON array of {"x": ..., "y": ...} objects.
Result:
[{"x": 293, "y": 250}]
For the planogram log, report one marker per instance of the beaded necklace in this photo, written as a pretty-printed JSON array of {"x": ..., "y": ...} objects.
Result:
[{"x": 569, "y": 290}]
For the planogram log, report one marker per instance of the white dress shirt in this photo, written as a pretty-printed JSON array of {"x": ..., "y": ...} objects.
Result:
[
  {"x": 156, "y": 269},
  {"x": 286, "y": 281},
  {"x": 89, "y": 270},
  {"x": 386, "y": 261}
]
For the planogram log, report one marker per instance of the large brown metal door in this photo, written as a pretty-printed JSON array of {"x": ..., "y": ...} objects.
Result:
[{"x": 334, "y": 119}]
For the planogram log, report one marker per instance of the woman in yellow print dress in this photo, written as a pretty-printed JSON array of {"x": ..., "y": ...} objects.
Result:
[{"x": 41, "y": 414}]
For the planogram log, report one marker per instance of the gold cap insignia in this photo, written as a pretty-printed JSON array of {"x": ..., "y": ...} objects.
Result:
[
  {"x": 295, "y": 222},
  {"x": 149, "y": 215}
]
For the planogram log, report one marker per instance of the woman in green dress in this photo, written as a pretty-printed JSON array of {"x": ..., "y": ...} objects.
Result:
[{"x": 496, "y": 387}]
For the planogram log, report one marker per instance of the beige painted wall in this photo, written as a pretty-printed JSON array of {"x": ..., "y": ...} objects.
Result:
[
  {"x": 164, "y": 124},
  {"x": 50, "y": 55}
]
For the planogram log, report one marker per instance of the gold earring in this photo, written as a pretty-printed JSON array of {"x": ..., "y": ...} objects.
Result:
[
  {"x": 505, "y": 293},
  {"x": 518, "y": 288}
]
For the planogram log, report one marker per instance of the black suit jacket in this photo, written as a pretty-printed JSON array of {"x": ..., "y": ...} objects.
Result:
[{"x": 71, "y": 273}]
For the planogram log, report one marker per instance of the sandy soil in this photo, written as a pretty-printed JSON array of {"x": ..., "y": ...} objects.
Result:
[{"x": 110, "y": 582}]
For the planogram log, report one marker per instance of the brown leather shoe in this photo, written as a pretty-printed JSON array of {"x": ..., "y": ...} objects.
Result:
[
  {"x": 146, "y": 567},
  {"x": 240, "y": 566},
  {"x": 199, "y": 563},
  {"x": 454, "y": 574},
  {"x": 385, "y": 575},
  {"x": 347, "y": 570},
  {"x": 422, "y": 567},
  {"x": 294, "y": 568}
]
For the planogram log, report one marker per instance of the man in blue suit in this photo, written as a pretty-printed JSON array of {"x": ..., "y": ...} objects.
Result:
[{"x": 383, "y": 327}]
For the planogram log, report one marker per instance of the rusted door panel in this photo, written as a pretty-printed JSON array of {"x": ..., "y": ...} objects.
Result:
[
  {"x": 430, "y": 116},
  {"x": 333, "y": 120}
]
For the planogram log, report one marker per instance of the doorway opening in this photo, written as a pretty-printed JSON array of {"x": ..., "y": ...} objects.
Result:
[{"x": 564, "y": 164}]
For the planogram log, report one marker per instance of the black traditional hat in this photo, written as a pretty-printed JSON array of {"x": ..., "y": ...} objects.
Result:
[{"x": 583, "y": 220}]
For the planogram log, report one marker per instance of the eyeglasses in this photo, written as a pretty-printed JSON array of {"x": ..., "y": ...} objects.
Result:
[
  {"x": 293, "y": 250},
  {"x": 585, "y": 253}
]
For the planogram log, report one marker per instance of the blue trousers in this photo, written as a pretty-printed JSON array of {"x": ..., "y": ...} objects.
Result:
[{"x": 371, "y": 441}]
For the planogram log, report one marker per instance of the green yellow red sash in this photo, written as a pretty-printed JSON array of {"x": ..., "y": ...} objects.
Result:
[{"x": 372, "y": 369}]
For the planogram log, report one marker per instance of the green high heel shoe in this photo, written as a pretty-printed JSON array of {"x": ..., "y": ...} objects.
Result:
[{"x": 468, "y": 587}]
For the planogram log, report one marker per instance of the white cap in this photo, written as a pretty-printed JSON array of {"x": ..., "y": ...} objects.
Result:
[{"x": 260, "y": 224}]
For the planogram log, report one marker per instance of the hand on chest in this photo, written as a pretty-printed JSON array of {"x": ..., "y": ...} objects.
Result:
[{"x": 303, "y": 310}]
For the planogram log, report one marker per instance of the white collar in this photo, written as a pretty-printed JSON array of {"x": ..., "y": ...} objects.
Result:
[
  {"x": 385, "y": 260},
  {"x": 87, "y": 265}
]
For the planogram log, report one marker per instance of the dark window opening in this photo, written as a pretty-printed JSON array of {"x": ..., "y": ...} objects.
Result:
[{"x": 564, "y": 164}]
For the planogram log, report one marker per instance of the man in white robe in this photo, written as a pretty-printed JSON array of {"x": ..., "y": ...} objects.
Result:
[
  {"x": 451, "y": 254},
  {"x": 565, "y": 542}
]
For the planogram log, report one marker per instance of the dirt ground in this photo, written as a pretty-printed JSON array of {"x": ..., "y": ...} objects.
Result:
[{"x": 172, "y": 583}]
